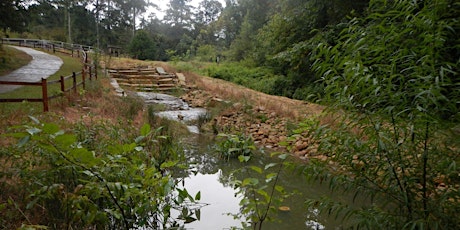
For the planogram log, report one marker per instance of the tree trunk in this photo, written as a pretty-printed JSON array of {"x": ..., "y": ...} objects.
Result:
[{"x": 69, "y": 39}]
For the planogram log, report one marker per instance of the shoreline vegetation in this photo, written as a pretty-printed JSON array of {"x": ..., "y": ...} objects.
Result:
[
  {"x": 95, "y": 115},
  {"x": 377, "y": 111}
]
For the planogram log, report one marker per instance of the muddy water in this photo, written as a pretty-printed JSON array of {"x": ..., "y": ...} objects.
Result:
[{"x": 212, "y": 177}]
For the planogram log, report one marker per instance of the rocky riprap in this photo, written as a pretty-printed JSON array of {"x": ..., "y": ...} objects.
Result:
[{"x": 267, "y": 128}]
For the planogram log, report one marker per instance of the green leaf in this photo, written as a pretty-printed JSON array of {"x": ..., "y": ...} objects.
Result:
[
  {"x": 139, "y": 139},
  {"x": 198, "y": 196},
  {"x": 32, "y": 131},
  {"x": 189, "y": 219},
  {"x": 283, "y": 156},
  {"x": 279, "y": 188},
  {"x": 66, "y": 140},
  {"x": 231, "y": 150},
  {"x": 198, "y": 214},
  {"x": 35, "y": 120},
  {"x": 243, "y": 158},
  {"x": 270, "y": 177},
  {"x": 249, "y": 181},
  {"x": 256, "y": 169},
  {"x": 264, "y": 194},
  {"x": 270, "y": 165},
  {"x": 127, "y": 148},
  {"x": 168, "y": 164},
  {"x": 145, "y": 130},
  {"x": 23, "y": 141},
  {"x": 50, "y": 128},
  {"x": 84, "y": 156}
]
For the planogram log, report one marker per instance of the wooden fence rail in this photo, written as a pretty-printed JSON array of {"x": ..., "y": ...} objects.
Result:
[
  {"x": 51, "y": 46},
  {"x": 87, "y": 70}
]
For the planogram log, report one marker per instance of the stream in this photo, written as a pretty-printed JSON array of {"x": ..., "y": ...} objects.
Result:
[{"x": 212, "y": 175}]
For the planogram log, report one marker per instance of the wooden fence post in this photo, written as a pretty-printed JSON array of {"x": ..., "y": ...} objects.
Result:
[
  {"x": 83, "y": 72},
  {"x": 83, "y": 79},
  {"x": 45, "y": 95},
  {"x": 62, "y": 84},
  {"x": 54, "y": 50},
  {"x": 74, "y": 79}
]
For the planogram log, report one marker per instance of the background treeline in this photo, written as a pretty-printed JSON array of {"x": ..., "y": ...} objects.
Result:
[
  {"x": 258, "y": 32},
  {"x": 277, "y": 36}
]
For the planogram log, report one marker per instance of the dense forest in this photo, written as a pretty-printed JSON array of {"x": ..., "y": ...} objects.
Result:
[
  {"x": 273, "y": 34},
  {"x": 390, "y": 67},
  {"x": 280, "y": 36}
]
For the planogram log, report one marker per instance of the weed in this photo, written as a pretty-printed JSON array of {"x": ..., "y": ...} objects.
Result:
[
  {"x": 203, "y": 119},
  {"x": 234, "y": 145}
]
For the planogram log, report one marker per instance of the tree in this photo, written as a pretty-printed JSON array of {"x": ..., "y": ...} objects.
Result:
[
  {"x": 136, "y": 7},
  {"x": 255, "y": 14},
  {"x": 229, "y": 23},
  {"x": 142, "y": 46},
  {"x": 179, "y": 13},
  {"x": 208, "y": 11},
  {"x": 67, "y": 5},
  {"x": 13, "y": 15}
]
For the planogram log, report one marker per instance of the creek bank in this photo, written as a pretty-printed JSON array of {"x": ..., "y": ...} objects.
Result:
[
  {"x": 254, "y": 114},
  {"x": 267, "y": 128}
]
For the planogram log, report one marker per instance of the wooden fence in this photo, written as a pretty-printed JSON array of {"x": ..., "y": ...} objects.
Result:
[
  {"x": 89, "y": 71},
  {"x": 51, "y": 46}
]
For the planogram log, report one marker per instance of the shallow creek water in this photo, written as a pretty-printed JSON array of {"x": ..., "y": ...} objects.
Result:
[{"x": 211, "y": 176}]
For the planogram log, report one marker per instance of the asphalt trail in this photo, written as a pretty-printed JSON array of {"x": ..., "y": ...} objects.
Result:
[{"x": 42, "y": 65}]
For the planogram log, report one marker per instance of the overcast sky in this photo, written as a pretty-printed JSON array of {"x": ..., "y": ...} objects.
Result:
[{"x": 163, "y": 4}]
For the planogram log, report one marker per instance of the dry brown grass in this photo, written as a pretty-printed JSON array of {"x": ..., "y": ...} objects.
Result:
[
  {"x": 97, "y": 103},
  {"x": 282, "y": 106}
]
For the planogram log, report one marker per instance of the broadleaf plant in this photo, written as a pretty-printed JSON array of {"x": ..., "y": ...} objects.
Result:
[{"x": 392, "y": 82}]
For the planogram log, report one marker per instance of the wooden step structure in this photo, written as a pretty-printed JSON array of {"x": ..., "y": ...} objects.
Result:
[{"x": 147, "y": 79}]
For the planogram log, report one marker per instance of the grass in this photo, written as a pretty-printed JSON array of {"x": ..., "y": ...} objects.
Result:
[
  {"x": 70, "y": 65},
  {"x": 11, "y": 59}
]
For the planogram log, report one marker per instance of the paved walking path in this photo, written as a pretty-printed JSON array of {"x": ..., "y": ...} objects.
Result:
[{"x": 42, "y": 65}]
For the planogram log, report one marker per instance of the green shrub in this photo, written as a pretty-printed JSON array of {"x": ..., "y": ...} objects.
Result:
[
  {"x": 397, "y": 85},
  {"x": 257, "y": 78},
  {"x": 88, "y": 180},
  {"x": 233, "y": 146}
]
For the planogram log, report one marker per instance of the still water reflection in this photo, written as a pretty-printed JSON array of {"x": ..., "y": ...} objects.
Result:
[{"x": 212, "y": 177}]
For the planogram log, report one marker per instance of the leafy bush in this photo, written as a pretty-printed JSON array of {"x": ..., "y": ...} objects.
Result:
[
  {"x": 142, "y": 46},
  {"x": 233, "y": 146},
  {"x": 259, "y": 78},
  {"x": 89, "y": 181},
  {"x": 261, "y": 192},
  {"x": 393, "y": 75}
]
